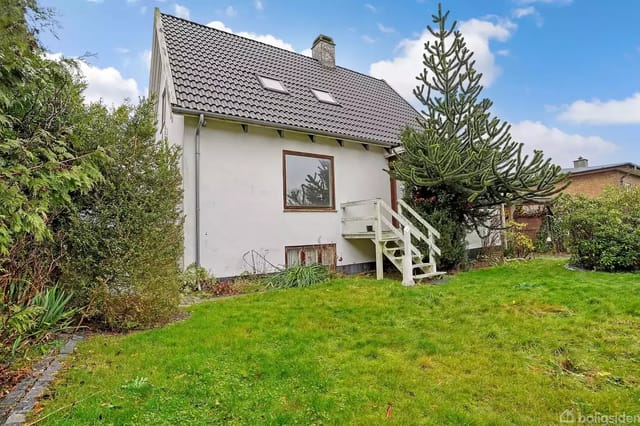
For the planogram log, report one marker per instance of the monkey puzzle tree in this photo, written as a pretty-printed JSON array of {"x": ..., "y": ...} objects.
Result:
[{"x": 460, "y": 163}]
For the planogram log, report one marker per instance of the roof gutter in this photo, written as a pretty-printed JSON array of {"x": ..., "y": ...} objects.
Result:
[
  {"x": 196, "y": 113},
  {"x": 201, "y": 123}
]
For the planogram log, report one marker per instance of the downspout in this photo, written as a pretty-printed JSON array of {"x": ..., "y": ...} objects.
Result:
[{"x": 201, "y": 123}]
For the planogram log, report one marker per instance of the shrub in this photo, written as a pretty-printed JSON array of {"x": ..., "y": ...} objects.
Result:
[
  {"x": 124, "y": 238},
  {"x": 518, "y": 244},
  {"x": 195, "y": 278},
  {"x": 299, "y": 276},
  {"x": 603, "y": 233},
  {"x": 441, "y": 210}
]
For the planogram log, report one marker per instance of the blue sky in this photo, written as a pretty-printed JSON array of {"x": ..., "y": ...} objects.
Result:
[{"x": 564, "y": 73}]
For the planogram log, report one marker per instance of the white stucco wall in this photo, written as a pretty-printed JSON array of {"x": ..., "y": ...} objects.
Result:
[{"x": 242, "y": 201}]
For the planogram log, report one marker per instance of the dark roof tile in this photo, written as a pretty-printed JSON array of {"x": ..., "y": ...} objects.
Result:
[{"x": 215, "y": 71}]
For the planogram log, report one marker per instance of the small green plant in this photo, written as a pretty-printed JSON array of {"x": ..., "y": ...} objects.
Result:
[
  {"x": 299, "y": 276},
  {"x": 195, "y": 278},
  {"x": 137, "y": 384},
  {"x": 32, "y": 322}
]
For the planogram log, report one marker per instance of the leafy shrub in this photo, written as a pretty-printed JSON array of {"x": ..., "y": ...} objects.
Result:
[
  {"x": 518, "y": 244},
  {"x": 124, "y": 237},
  {"x": 194, "y": 278},
  {"x": 299, "y": 276},
  {"x": 442, "y": 210},
  {"x": 603, "y": 233}
]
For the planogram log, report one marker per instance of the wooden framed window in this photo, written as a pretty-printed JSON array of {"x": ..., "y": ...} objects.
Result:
[
  {"x": 323, "y": 254},
  {"x": 308, "y": 182}
]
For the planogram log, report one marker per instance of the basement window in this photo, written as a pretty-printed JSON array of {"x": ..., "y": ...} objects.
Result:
[
  {"x": 321, "y": 254},
  {"x": 272, "y": 84},
  {"x": 323, "y": 96}
]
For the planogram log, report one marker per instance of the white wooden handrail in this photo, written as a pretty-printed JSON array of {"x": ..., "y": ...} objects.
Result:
[
  {"x": 419, "y": 218},
  {"x": 414, "y": 231}
]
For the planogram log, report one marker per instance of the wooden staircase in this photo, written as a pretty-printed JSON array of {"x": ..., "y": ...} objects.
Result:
[{"x": 395, "y": 236}]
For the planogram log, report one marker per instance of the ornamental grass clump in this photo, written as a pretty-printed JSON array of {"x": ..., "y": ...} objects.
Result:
[{"x": 299, "y": 276}]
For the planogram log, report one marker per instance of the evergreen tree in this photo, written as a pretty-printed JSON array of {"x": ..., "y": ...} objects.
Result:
[
  {"x": 316, "y": 189},
  {"x": 461, "y": 162}
]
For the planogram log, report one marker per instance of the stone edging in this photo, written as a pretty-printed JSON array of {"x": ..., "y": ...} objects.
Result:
[{"x": 20, "y": 401}]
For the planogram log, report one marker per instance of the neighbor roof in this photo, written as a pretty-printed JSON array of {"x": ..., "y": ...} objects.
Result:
[
  {"x": 217, "y": 72},
  {"x": 635, "y": 169}
]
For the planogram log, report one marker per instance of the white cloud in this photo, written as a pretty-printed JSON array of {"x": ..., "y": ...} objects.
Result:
[
  {"x": 122, "y": 50},
  {"x": 367, "y": 39},
  {"x": 259, "y": 5},
  {"x": 230, "y": 11},
  {"x": 106, "y": 84},
  {"x": 306, "y": 52},
  {"x": 524, "y": 11},
  {"x": 503, "y": 52},
  {"x": 95, "y": 1},
  {"x": 530, "y": 11},
  {"x": 384, "y": 29},
  {"x": 264, "y": 38},
  {"x": 625, "y": 111},
  {"x": 371, "y": 8},
  {"x": 182, "y": 11},
  {"x": 400, "y": 71},
  {"x": 143, "y": 9},
  {"x": 562, "y": 147}
]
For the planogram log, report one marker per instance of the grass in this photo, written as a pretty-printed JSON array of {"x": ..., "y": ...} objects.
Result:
[{"x": 515, "y": 344}]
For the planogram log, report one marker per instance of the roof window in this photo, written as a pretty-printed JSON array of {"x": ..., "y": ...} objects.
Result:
[
  {"x": 272, "y": 84},
  {"x": 323, "y": 96}
]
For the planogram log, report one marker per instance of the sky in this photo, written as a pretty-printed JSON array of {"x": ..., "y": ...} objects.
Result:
[{"x": 564, "y": 73}]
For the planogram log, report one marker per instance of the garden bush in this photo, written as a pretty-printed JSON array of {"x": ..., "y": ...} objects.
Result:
[
  {"x": 603, "y": 233},
  {"x": 518, "y": 243},
  {"x": 124, "y": 238}
]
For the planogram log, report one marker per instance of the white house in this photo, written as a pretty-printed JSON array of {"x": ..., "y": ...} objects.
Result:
[{"x": 284, "y": 155}]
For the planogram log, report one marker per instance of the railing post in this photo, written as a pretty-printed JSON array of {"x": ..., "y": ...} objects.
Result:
[
  {"x": 432, "y": 257},
  {"x": 379, "y": 243},
  {"x": 378, "y": 221},
  {"x": 407, "y": 261}
]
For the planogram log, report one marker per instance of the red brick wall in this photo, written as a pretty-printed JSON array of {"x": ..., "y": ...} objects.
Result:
[{"x": 592, "y": 184}]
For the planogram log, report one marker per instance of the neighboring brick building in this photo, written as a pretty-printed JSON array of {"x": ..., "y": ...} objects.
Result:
[
  {"x": 586, "y": 180},
  {"x": 590, "y": 181}
]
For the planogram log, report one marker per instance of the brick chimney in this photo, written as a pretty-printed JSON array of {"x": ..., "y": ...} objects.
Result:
[
  {"x": 580, "y": 162},
  {"x": 324, "y": 51}
]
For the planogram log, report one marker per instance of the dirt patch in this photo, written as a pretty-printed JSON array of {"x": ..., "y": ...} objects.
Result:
[
  {"x": 538, "y": 309},
  {"x": 9, "y": 378}
]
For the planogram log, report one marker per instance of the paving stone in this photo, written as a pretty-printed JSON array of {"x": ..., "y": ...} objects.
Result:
[{"x": 15, "y": 406}]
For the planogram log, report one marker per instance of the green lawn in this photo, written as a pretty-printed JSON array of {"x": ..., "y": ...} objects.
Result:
[{"x": 516, "y": 344}]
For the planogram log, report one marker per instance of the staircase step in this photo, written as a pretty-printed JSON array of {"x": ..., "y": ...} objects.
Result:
[
  {"x": 422, "y": 265},
  {"x": 428, "y": 275}
]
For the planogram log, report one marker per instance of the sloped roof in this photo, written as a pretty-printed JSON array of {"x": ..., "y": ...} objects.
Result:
[
  {"x": 633, "y": 168},
  {"x": 216, "y": 72}
]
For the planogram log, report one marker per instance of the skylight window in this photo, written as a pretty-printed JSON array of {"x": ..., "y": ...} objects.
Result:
[
  {"x": 271, "y": 84},
  {"x": 323, "y": 96}
]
